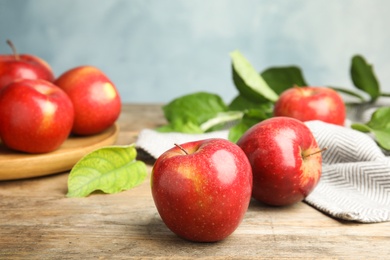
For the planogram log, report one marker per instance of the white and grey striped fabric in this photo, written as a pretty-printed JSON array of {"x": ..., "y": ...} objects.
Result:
[{"x": 355, "y": 181}]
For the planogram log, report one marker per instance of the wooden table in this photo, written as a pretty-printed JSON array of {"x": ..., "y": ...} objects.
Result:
[{"x": 37, "y": 221}]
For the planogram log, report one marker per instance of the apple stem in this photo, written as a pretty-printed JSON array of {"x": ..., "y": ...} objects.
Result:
[
  {"x": 319, "y": 151},
  {"x": 9, "y": 42},
  {"x": 181, "y": 148}
]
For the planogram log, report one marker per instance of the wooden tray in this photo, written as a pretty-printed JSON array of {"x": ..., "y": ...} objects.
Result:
[{"x": 14, "y": 165}]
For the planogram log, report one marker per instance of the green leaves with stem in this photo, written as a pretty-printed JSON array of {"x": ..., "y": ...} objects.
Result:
[
  {"x": 110, "y": 169},
  {"x": 204, "y": 112},
  {"x": 221, "y": 119},
  {"x": 257, "y": 92},
  {"x": 379, "y": 126},
  {"x": 364, "y": 79}
]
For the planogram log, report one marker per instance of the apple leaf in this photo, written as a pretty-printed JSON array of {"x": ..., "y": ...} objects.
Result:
[
  {"x": 240, "y": 103},
  {"x": 361, "y": 127},
  {"x": 109, "y": 169},
  {"x": 248, "y": 82},
  {"x": 283, "y": 78},
  {"x": 379, "y": 126},
  {"x": 182, "y": 126},
  {"x": 223, "y": 119},
  {"x": 252, "y": 113},
  {"x": 250, "y": 118},
  {"x": 187, "y": 113},
  {"x": 363, "y": 77},
  {"x": 348, "y": 92}
]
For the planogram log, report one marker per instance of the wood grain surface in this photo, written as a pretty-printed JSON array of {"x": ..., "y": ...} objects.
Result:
[
  {"x": 37, "y": 221},
  {"x": 17, "y": 165}
]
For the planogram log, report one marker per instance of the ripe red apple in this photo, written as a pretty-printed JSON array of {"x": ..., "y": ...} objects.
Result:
[
  {"x": 202, "y": 189},
  {"x": 311, "y": 103},
  {"x": 96, "y": 101},
  {"x": 285, "y": 159},
  {"x": 35, "y": 116},
  {"x": 24, "y": 66}
]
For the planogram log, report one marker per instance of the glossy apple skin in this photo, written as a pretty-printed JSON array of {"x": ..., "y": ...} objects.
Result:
[
  {"x": 35, "y": 116},
  {"x": 202, "y": 196},
  {"x": 96, "y": 101},
  {"x": 278, "y": 149},
  {"x": 311, "y": 103},
  {"x": 24, "y": 67}
]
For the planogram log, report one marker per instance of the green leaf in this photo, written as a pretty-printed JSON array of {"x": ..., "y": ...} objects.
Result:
[
  {"x": 240, "y": 103},
  {"x": 250, "y": 118},
  {"x": 223, "y": 119},
  {"x": 182, "y": 126},
  {"x": 363, "y": 77},
  {"x": 283, "y": 78},
  {"x": 110, "y": 169},
  {"x": 383, "y": 138},
  {"x": 348, "y": 92},
  {"x": 379, "y": 126},
  {"x": 253, "y": 112},
  {"x": 380, "y": 119},
  {"x": 187, "y": 113},
  {"x": 248, "y": 82},
  {"x": 361, "y": 127},
  {"x": 238, "y": 130}
]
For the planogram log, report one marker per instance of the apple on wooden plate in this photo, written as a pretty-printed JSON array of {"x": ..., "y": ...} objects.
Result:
[
  {"x": 23, "y": 66},
  {"x": 96, "y": 100},
  {"x": 35, "y": 116}
]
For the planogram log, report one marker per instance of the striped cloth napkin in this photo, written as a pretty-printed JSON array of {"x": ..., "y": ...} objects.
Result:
[{"x": 355, "y": 181}]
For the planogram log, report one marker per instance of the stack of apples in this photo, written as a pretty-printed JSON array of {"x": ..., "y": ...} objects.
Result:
[
  {"x": 202, "y": 189},
  {"x": 38, "y": 111}
]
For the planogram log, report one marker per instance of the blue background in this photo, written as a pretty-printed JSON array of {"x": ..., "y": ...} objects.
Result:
[{"x": 156, "y": 50}]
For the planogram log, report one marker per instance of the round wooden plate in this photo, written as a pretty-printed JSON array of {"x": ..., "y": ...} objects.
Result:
[{"x": 14, "y": 165}]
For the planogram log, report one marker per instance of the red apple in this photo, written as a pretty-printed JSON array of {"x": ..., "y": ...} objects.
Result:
[
  {"x": 96, "y": 101},
  {"x": 35, "y": 116},
  {"x": 202, "y": 189},
  {"x": 311, "y": 103},
  {"x": 23, "y": 66},
  {"x": 285, "y": 159}
]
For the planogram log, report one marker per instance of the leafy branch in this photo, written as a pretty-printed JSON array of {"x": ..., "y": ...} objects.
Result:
[{"x": 257, "y": 92}]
